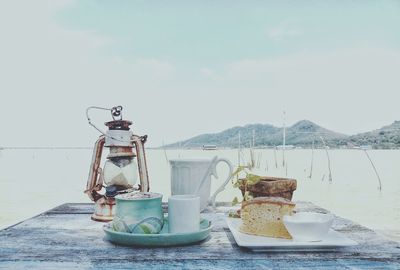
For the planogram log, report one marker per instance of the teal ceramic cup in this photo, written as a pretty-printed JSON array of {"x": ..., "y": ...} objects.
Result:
[{"x": 139, "y": 212}]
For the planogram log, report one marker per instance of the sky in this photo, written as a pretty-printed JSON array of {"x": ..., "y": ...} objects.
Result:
[{"x": 183, "y": 68}]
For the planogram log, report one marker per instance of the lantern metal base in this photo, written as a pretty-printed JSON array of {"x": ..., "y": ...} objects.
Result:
[{"x": 103, "y": 209}]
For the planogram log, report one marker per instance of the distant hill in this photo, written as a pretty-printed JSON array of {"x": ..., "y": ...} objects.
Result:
[
  {"x": 385, "y": 137},
  {"x": 303, "y": 134}
]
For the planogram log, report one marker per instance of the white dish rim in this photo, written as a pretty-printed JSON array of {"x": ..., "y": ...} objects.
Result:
[{"x": 281, "y": 243}]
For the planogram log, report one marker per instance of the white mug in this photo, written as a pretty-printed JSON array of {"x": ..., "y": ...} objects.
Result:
[
  {"x": 187, "y": 176},
  {"x": 183, "y": 213}
]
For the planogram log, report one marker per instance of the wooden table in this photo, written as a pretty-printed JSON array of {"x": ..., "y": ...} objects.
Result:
[{"x": 65, "y": 237}]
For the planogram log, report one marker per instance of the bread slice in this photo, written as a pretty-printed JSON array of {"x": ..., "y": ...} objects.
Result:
[
  {"x": 264, "y": 216},
  {"x": 272, "y": 187}
]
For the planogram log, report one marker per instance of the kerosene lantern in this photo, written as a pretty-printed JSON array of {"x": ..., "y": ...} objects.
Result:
[{"x": 120, "y": 170}]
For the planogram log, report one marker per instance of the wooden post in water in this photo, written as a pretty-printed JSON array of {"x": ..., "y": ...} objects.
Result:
[
  {"x": 165, "y": 153},
  {"x": 329, "y": 160},
  {"x": 254, "y": 132},
  {"x": 312, "y": 159},
  {"x": 239, "y": 150},
  {"x": 376, "y": 172},
  {"x": 284, "y": 139}
]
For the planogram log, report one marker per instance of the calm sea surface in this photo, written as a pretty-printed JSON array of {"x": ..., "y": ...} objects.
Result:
[{"x": 33, "y": 181}]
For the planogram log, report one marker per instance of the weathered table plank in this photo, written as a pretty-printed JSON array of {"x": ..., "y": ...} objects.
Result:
[{"x": 65, "y": 237}]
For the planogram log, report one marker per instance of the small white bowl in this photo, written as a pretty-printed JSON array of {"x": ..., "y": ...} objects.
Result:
[{"x": 308, "y": 226}]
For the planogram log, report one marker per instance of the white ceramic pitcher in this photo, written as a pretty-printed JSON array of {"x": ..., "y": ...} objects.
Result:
[{"x": 188, "y": 174}]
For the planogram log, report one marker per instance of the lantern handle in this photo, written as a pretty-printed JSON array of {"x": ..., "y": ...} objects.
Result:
[
  {"x": 115, "y": 112},
  {"x": 118, "y": 112}
]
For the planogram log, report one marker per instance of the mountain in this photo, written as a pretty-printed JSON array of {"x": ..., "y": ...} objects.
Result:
[
  {"x": 385, "y": 137},
  {"x": 303, "y": 133}
]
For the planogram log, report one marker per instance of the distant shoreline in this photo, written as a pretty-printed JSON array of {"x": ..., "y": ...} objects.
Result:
[
  {"x": 200, "y": 148},
  {"x": 269, "y": 148}
]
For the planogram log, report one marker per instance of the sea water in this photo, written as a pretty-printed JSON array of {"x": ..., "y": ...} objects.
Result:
[{"x": 33, "y": 181}]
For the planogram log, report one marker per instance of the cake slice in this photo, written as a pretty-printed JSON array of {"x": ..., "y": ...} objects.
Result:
[{"x": 264, "y": 216}]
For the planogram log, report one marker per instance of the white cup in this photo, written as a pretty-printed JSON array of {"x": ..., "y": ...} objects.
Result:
[
  {"x": 187, "y": 175},
  {"x": 183, "y": 213}
]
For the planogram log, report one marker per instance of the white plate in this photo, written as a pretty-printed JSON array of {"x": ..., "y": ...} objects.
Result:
[{"x": 333, "y": 240}]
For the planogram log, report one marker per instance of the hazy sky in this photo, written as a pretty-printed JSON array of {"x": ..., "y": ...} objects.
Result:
[{"x": 181, "y": 68}]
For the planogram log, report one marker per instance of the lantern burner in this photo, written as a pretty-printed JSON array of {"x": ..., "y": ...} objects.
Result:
[{"x": 118, "y": 125}]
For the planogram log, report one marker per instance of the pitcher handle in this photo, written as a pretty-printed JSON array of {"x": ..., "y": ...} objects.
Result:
[{"x": 222, "y": 187}]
